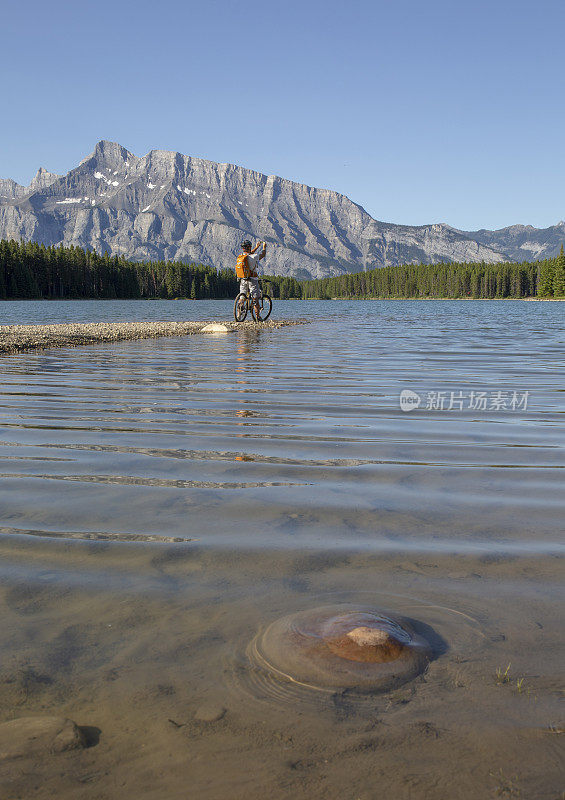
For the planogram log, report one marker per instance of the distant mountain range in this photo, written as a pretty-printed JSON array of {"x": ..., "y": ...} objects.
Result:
[{"x": 169, "y": 206}]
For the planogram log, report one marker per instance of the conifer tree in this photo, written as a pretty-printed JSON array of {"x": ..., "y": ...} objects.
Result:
[
  {"x": 559, "y": 275},
  {"x": 546, "y": 271}
]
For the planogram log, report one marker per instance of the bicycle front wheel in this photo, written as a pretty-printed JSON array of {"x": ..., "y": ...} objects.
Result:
[
  {"x": 265, "y": 310},
  {"x": 240, "y": 307}
]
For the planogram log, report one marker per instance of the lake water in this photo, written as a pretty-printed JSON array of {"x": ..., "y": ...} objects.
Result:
[{"x": 162, "y": 500}]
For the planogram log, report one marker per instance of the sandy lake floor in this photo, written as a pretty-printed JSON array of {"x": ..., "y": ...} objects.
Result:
[{"x": 159, "y": 666}]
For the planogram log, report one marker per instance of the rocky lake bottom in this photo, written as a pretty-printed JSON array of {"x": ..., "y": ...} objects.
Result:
[{"x": 193, "y": 529}]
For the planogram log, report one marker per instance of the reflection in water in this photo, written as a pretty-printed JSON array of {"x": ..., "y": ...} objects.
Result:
[
  {"x": 308, "y": 415},
  {"x": 248, "y": 344}
]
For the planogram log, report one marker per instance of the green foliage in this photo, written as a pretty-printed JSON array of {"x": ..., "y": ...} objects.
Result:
[
  {"x": 546, "y": 271},
  {"x": 31, "y": 270},
  {"x": 559, "y": 275},
  {"x": 477, "y": 280},
  {"x": 281, "y": 287}
]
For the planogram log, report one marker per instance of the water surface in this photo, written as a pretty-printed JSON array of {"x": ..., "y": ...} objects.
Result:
[
  {"x": 294, "y": 436},
  {"x": 163, "y": 501}
]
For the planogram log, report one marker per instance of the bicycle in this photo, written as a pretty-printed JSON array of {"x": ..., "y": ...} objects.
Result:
[{"x": 244, "y": 303}]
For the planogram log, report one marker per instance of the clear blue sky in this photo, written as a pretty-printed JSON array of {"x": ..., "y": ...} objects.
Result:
[{"x": 440, "y": 111}]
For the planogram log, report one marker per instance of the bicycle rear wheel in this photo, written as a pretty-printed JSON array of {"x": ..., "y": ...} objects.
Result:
[
  {"x": 265, "y": 310},
  {"x": 240, "y": 307}
]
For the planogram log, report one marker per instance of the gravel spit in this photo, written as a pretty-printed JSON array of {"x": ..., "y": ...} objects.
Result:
[{"x": 15, "y": 338}]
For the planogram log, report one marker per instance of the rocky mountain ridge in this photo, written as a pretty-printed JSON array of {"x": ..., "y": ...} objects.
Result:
[
  {"x": 166, "y": 205},
  {"x": 523, "y": 242},
  {"x": 10, "y": 189}
]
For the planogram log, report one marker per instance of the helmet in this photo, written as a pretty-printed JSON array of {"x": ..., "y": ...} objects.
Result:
[{"x": 246, "y": 245}]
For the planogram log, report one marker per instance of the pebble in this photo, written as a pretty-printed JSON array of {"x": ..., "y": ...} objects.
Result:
[
  {"x": 15, "y": 338},
  {"x": 209, "y": 712},
  {"x": 32, "y": 736}
]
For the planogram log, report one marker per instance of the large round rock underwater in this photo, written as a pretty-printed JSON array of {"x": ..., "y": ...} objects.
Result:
[{"x": 342, "y": 647}]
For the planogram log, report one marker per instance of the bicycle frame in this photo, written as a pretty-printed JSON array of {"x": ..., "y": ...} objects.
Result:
[{"x": 245, "y": 303}]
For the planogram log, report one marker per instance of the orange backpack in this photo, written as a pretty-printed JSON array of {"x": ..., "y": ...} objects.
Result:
[{"x": 242, "y": 268}]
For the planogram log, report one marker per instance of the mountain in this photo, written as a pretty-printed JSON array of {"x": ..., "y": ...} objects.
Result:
[
  {"x": 169, "y": 206},
  {"x": 10, "y": 189},
  {"x": 523, "y": 242}
]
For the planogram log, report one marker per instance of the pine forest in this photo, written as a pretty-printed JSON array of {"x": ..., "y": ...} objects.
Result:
[{"x": 33, "y": 271}]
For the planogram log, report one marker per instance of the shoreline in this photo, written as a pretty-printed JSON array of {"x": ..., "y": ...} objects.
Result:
[
  {"x": 301, "y": 299},
  {"x": 19, "y": 338}
]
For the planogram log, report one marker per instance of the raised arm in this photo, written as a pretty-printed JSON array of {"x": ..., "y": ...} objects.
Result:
[{"x": 264, "y": 251}]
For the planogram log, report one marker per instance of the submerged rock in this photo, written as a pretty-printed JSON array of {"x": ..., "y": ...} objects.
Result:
[
  {"x": 33, "y": 736},
  {"x": 342, "y": 647}
]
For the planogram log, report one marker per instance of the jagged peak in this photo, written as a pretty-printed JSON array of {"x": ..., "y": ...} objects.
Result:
[
  {"x": 106, "y": 146},
  {"x": 109, "y": 153},
  {"x": 43, "y": 178}
]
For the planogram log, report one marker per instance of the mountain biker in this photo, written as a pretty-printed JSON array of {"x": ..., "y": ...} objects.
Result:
[{"x": 246, "y": 271}]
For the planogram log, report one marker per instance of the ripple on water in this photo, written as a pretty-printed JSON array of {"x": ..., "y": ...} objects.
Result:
[
  {"x": 291, "y": 437},
  {"x": 342, "y": 647},
  {"x": 305, "y": 657}
]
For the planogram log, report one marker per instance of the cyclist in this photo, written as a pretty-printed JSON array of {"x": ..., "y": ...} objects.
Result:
[{"x": 246, "y": 271}]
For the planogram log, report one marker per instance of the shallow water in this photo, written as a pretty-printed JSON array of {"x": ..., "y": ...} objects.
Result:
[{"x": 279, "y": 473}]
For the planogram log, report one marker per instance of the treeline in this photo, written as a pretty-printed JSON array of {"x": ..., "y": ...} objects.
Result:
[
  {"x": 431, "y": 280},
  {"x": 29, "y": 270},
  {"x": 33, "y": 271},
  {"x": 479, "y": 280}
]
